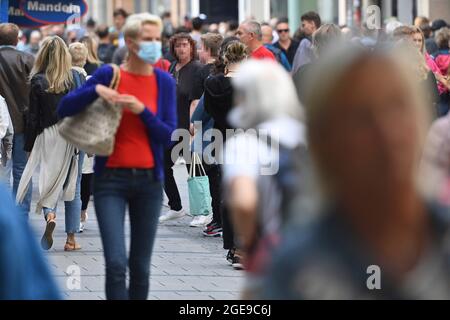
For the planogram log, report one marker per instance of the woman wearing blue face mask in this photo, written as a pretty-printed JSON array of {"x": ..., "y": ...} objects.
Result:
[{"x": 132, "y": 176}]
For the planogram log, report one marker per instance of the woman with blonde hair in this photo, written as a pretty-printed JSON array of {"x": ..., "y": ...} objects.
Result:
[
  {"x": 93, "y": 62},
  {"x": 51, "y": 79},
  {"x": 132, "y": 176},
  {"x": 419, "y": 41},
  {"x": 408, "y": 39}
]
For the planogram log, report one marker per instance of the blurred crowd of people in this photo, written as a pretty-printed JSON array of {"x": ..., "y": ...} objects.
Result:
[{"x": 340, "y": 141}]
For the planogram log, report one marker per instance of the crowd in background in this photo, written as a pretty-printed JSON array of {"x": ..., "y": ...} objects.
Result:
[{"x": 356, "y": 120}]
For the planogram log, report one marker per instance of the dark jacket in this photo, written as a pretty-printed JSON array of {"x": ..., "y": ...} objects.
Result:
[
  {"x": 160, "y": 126},
  {"x": 14, "y": 84},
  {"x": 42, "y": 113},
  {"x": 219, "y": 101}
]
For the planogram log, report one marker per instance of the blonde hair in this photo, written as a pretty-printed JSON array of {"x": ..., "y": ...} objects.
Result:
[
  {"x": 79, "y": 53},
  {"x": 136, "y": 21},
  {"x": 418, "y": 64},
  {"x": 92, "y": 47},
  {"x": 54, "y": 60},
  {"x": 236, "y": 52},
  {"x": 417, "y": 30}
]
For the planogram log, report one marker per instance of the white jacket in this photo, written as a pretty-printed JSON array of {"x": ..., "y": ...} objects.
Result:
[{"x": 6, "y": 133}]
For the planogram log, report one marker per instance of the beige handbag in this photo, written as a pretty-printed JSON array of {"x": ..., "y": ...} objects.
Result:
[{"x": 94, "y": 130}]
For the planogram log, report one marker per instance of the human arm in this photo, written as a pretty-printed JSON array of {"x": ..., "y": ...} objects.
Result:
[{"x": 76, "y": 101}]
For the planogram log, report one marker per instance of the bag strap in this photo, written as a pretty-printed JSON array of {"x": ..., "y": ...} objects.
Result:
[
  {"x": 192, "y": 169},
  {"x": 116, "y": 77},
  {"x": 200, "y": 162},
  {"x": 196, "y": 161}
]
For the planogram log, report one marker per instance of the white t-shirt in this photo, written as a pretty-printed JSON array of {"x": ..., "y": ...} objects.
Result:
[
  {"x": 88, "y": 165},
  {"x": 5, "y": 120},
  {"x": 248, "y": 155}
]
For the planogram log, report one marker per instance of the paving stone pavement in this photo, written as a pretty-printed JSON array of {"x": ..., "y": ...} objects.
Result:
[{"x": 185, "y": 265}]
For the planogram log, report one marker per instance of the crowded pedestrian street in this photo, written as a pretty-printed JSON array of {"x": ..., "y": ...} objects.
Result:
[
  {"x": 239, "y": 154},
  {"x": 185, "y": 264}
]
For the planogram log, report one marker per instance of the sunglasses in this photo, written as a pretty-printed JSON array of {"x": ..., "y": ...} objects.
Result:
[{"x": 283, "y": 30}]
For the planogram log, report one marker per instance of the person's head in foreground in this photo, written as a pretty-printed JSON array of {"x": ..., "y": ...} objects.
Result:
[{"x": 377, "y": 236}]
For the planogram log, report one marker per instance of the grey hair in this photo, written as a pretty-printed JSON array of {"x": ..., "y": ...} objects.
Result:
[
  {"x": 326, "y": 36},
  {"x": 265, "y": 91},
  {"x": 253, "y": 26}
]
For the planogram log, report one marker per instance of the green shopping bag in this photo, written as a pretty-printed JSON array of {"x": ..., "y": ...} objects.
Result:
[{"x": 199, "y": 194}]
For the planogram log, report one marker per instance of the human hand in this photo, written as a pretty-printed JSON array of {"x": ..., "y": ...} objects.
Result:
[
  {"x": 131, "y": 103},
  {"x": 106, "y": 93}
]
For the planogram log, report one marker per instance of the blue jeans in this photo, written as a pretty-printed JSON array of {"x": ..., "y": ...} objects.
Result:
[
  {"x": 72, "y": 208},
  {"x": 114, "y": 191},
  {"x": 19, "y": 162}
]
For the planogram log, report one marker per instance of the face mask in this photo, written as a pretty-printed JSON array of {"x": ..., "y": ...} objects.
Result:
[{"x": 150, "y": 51}]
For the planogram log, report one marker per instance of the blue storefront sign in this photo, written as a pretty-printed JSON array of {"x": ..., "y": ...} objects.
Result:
[
  {"x": 53, "y": 11},
  {"x": 16, "y": 15},
  {"x": 35, "y": 13},
  {"x": 3, "y": 11}
]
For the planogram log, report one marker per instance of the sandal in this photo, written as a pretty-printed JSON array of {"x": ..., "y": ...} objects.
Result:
[
  {"x": 72, "y": 247},
  {"x": 47, "y": 238}
]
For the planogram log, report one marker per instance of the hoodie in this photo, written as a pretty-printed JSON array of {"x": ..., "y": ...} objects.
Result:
[{"x": 219, "y": 101}]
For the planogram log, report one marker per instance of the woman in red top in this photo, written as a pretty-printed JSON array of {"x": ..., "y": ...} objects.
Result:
[{"x": 132, "y": 176}]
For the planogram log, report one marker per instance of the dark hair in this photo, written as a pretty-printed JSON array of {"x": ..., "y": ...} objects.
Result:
[
  {"x": 283, "y": 20},
  {"x": 314, "y": 17},
  {"x": 120, "y": 12},
  {"x": 233, "y": 25},
  {"x": 166, "y": 14},
  {"x": 438, "y": 24},
  {"x": 182, "y": 30},
  {"x": 9, "y": 34},
  {"x": 91, "y": 23},
  {"x": 102, "y": 31},
  {"x": 183, "y": 36},
  {"x": 197, "y": 24}
]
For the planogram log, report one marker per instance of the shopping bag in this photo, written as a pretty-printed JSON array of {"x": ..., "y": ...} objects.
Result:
[{"x": 200, "y": 200}]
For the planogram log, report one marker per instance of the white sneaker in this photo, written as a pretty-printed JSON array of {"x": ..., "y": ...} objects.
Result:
[
  {"x": 172, "y": 215},
  {"x": 201, "y": 221},
  {"x": 81, "y": 227}
]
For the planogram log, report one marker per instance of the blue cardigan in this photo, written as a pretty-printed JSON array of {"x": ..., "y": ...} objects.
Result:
[{"x": 160, "y": 126}]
